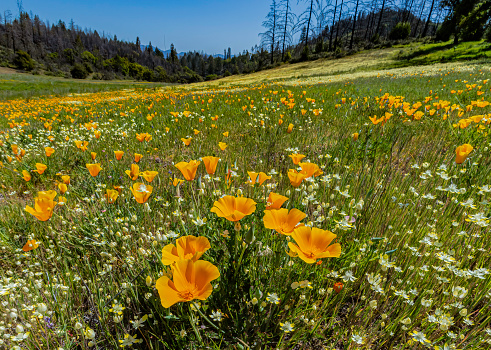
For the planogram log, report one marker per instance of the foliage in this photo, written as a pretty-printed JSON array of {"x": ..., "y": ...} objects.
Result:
[
  {"x": 400, "y": 31},
  {"x": 23, "y": 61},
  {"x": 79, "y": 71}
]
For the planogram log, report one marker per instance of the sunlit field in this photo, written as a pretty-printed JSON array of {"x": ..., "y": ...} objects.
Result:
[{"x": 347, "y": 215}]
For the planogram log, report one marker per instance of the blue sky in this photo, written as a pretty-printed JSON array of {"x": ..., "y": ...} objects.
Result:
[{"x": 206, "y": 25}]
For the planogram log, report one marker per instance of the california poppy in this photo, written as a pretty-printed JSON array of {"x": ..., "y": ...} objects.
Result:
[
  {"x": 187, "y": 141},
  {"x": 25, "y": 175},
  {"x": 233, "y": 208},
  {"x": 138, "y": 157},
  {"x": 65, "y": 179},
  {"x": 141, "y": 192},
  {"x": 118, "y": 154},
  {"x": 134, "y": 172},
  {"x": 222, "y": 145},
  {"x": 275, "y": 201},
  {"x": 282, "y": 220},
  {"x": 188, "y": 170},
  {"x": 462, "y": 153},
  {"x": 62, "y": 187},
  {"x": 295, "y": 177},
  {"x": 30, "y": 245},
  {"x": 43, "y": 205},
  {"x": 338, "y": 286},
  {"x": 310, "y": 169},
  {"x": 210, "y": 164},
  {"x": 149, "y": 175},
  {"x": 40, "y": 168},
  {"x": 355, "y": 136},
  {"x": 290, "y": 128},
  {"x": 111, "y": 195},
  {"x": 94, "y": 169},
  {"x": 176, "y": 182},
  {"x": 191, "y": 280},
  {"x": 313, "y": 244},
  {"x": 49, "y": 151},
  {"x": 93, "y": 155},
  {"x": 187, "y": 247},
  {"x": 296, "y": 158}
]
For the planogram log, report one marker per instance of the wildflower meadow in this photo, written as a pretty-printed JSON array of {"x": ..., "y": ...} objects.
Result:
[{"x": 345, "y": 215}]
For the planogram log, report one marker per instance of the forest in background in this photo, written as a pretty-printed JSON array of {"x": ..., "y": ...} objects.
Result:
[{"x": 332, "y": 28}]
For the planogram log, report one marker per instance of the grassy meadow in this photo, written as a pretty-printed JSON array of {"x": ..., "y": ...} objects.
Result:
[{"x": 266, "y": 213}]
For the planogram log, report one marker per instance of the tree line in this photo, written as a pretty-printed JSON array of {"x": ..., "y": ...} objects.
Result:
[
  {"x": 28, "y": 43},
  {"x": 336, "y": 26}
]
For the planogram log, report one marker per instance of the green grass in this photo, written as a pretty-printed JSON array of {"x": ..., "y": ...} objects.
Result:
[
  {"x": 24, "y": 85},
  {"x": 444, "y": 52}
]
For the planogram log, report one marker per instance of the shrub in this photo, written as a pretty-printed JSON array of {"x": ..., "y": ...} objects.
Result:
[
  {"x": 23, "y": 61},
  {"x": 79, "y": 71},
  {"x": 211, "y": 77},
  {"x": 400, "y": 31},
  {"x": 288, "y": 56},
  {"x": 227, "y": 73}
]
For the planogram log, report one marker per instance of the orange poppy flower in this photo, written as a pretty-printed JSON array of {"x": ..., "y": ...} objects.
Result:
[
  {"x": 93, "y": 155},
  {"x": 30, "y": 245},
  {"x": 275, "y": 201},
  {"x": 295, "y": 177},
  {"x": 141, "y": 192},
  {"x": 97, "y": 134},
  {"x": 225, "y": 133},
  {"x": 290, "y": 128},
  {"x": 282, "y": 220},
  {"x": 338, "y": 286},
  {"x": 313, "y": 244},
  {"x": 94, "y": 169},
  {"x": 138, "y": 157},
  {"x": 186, "y": 248},
  {"x": 25, "y": 175},
  {"x": 134, "y": 172},
  {"x": 176, "y": 182},
  {"x": 43, "y": 205},
  {"x": 65, "y": 179},
  {"x": 187, "y": 141},
  {"x": 262, "y": 177},
  {"x": 233, "y": 208},
  {"x": 310, "y": 169},
  {"x": 149, "y": 175},
  {"x": 222, "y": 145},
  {"x": 191, "y": 280},
  {"x": 210, "y": 164},
  {"x": 49, "y": 151},
  {"x": 253, "y": 177},
  {"x": 188, "y": 170},
  {"x": 41, "y": 168},
  {"x": 462, "y": 153},
  {"x": 111, "y": 195},
  {"x": 296, "y": 158},
  {"x": 82, "y": 145},
  {"x": 63, "y": 188},
  {"x": 355, "y": 136},
  {"x": 118, "y": 154}
]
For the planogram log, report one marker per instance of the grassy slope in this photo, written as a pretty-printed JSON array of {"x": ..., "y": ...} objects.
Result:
[{"x": 398, "y": 60}]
